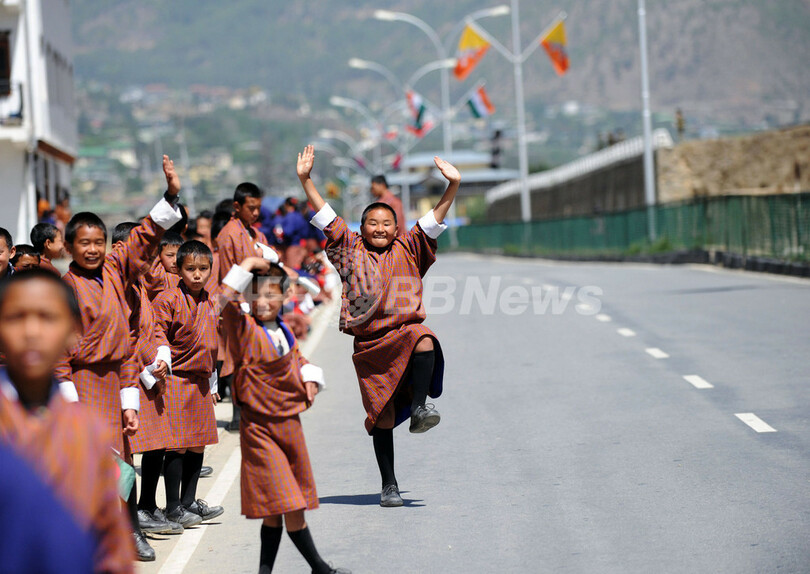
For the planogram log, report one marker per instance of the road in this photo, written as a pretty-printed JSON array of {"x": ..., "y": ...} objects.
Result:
[{"x": 571, "y": 440}]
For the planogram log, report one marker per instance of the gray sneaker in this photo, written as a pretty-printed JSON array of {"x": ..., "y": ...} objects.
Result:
[
  {"x": 424, "y": 418},
  {"x": 390, "y": 497}
]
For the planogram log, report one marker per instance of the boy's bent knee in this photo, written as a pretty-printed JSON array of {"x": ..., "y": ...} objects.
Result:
[{"x": 424, "y": 345}]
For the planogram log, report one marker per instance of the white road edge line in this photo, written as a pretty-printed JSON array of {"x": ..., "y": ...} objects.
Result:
[
  {"x": 182, "y": 553},
  {"x": 625, "y": 332},
  {"x": 755, "y": 422},
  {"x": 602, "y": 318},
  {"x": 698, "y": 382},
  {"x": 656, "y": 353}
]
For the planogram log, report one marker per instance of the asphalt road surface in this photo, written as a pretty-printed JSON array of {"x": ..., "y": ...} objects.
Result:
[{"x": 596, "y": 419}]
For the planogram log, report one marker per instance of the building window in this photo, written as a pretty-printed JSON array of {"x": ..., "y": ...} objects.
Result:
[{"x": 5, "y": 63}]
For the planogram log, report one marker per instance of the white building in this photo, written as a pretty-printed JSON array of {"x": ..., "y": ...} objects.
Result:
[{"x": 38, "y": 123}]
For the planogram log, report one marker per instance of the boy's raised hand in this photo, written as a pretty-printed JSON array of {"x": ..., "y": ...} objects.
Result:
[
  {"x": 306, "y": 160},
  {"x": 172, "y": 179},
  {"x": 449, "y": 171}
]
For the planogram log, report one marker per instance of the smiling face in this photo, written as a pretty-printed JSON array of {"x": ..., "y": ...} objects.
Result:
[
  {"x": 379, "y": 228},
  {"x": 195, "y": 272},
  {"x": 267, "y": 301},
  {"x": 27, "y": 262},
  {"x": 36, "y": 328},
  {"x": 89, "y": 248},
  {"x": 248, "y": 212}
]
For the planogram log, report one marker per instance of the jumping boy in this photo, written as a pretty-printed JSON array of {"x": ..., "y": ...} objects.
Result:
[
  {"x": 186, "y": 322},
  {"x": 62, "y": 442},
  {"x": 49, "y": 243},
  {"x": 273, "y": 383},
  {"x": 398, "y": 360}
]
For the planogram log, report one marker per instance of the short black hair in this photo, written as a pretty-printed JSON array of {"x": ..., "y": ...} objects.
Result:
[
  {"x": 170, "y": 238},
  {"x": 245, "y": 190},
  {"x": 224, "y": 206},
  {"x": 23, "y": 249},
  {"x": 41, "y": 233},
  {"x": 83, "y": 218},
  {"x": 122, "y": 230},
  {"x": 4, "y": 234},
  {"x": 275, "y": 275},
  {"x": 205, "y": 214},
  {"x": 180, "y": 226},
  {"x": 220, "y": 220},
  {"x": 380, "y": 178},
  {"x": 42, "y": 275},
  {"x": 193, "y": 248},
  {"x": 377, "y": 205}
]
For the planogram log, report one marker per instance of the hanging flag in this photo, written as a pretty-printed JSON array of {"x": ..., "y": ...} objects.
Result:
[
  {"x": 479, "y": 103},
  {"x": 471, "y": 48},
  {"x": 421, "y": 125},
  {"x": 554, "y": 43},
  {"x": 397, "y": 163}
]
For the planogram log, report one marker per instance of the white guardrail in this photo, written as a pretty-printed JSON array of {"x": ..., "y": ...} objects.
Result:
[{"x": 614, "y": 154}]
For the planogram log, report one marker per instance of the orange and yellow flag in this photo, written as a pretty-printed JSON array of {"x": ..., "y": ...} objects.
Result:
[
  {"x": 471, "y": 48},
  {"x": 554, "y": 43}
]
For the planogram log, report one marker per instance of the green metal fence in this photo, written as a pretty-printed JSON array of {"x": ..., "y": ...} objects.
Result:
[{"x": 770, "y": 226}]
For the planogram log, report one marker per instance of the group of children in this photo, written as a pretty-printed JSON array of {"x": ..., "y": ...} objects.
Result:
[{"x": 142, "y": 335}]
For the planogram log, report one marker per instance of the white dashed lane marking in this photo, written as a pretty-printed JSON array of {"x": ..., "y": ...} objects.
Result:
[
  {"x": 602, "y": 318},
  {"x": 755, "y": 422},
  {"x": 624, "y": 332},
  {"x": 698, "y": 382},
  {"x": 656, "y": 353}
]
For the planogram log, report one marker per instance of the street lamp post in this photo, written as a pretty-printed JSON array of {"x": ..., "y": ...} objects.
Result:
[{"x": 348, "y": 103}]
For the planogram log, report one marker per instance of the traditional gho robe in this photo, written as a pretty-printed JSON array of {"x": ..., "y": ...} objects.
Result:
[
  {"x": 382, "y": 308},
  {"x": 98, "y": 364},
  {"x": 68, "y": 448},
  {"x": 235, "y": 243},
  {"x": 188, "y": 326},
  {"x": 269, "y": 386}
]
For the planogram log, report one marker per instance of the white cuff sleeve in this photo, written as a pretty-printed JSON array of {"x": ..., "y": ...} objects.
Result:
[
  {"x": 164, "y": 215},
  {"x": 164, "y": 354},
  {"x": 238, "y": 279},
  {"x": 213, "y": 382},
  {"x": 130, "y": 399},
  {"x": 430, "y": 226},
  {"x": 147, "y": 379},
  {"x": 324, "y": 217},
  {"x": 311, "y": 373},
  {"x": 311, "y": 286},
  {"x": 68, "y": 391},
  {"x": 268, "y": 253}
]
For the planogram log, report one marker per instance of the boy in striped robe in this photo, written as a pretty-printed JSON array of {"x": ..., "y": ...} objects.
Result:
[
  {"x": 60, "y": 444},
  {"x": 186, "y": 322},
  {"x": 398, "y": 360},
  {"x": 153, "y": 431},
  {"x": 273, "y": 383},
  {"x": 98, "y": 364}
]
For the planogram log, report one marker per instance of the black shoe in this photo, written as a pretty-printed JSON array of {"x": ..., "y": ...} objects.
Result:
[
  {"x": 236, "y": 418},
  {"x": 206, "y": 471},
  {"x": 144, "y": 552},
  {"x": 183, "y": 517},
  {"x": 390, "y": 497},
  {"x": 201, "y": 508},
  {"x": 149, "y": 523},
  {"x": 173, "y": 527},
  {"x": 337, "y": 571},
  {"x": 424, "y": 418}
]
